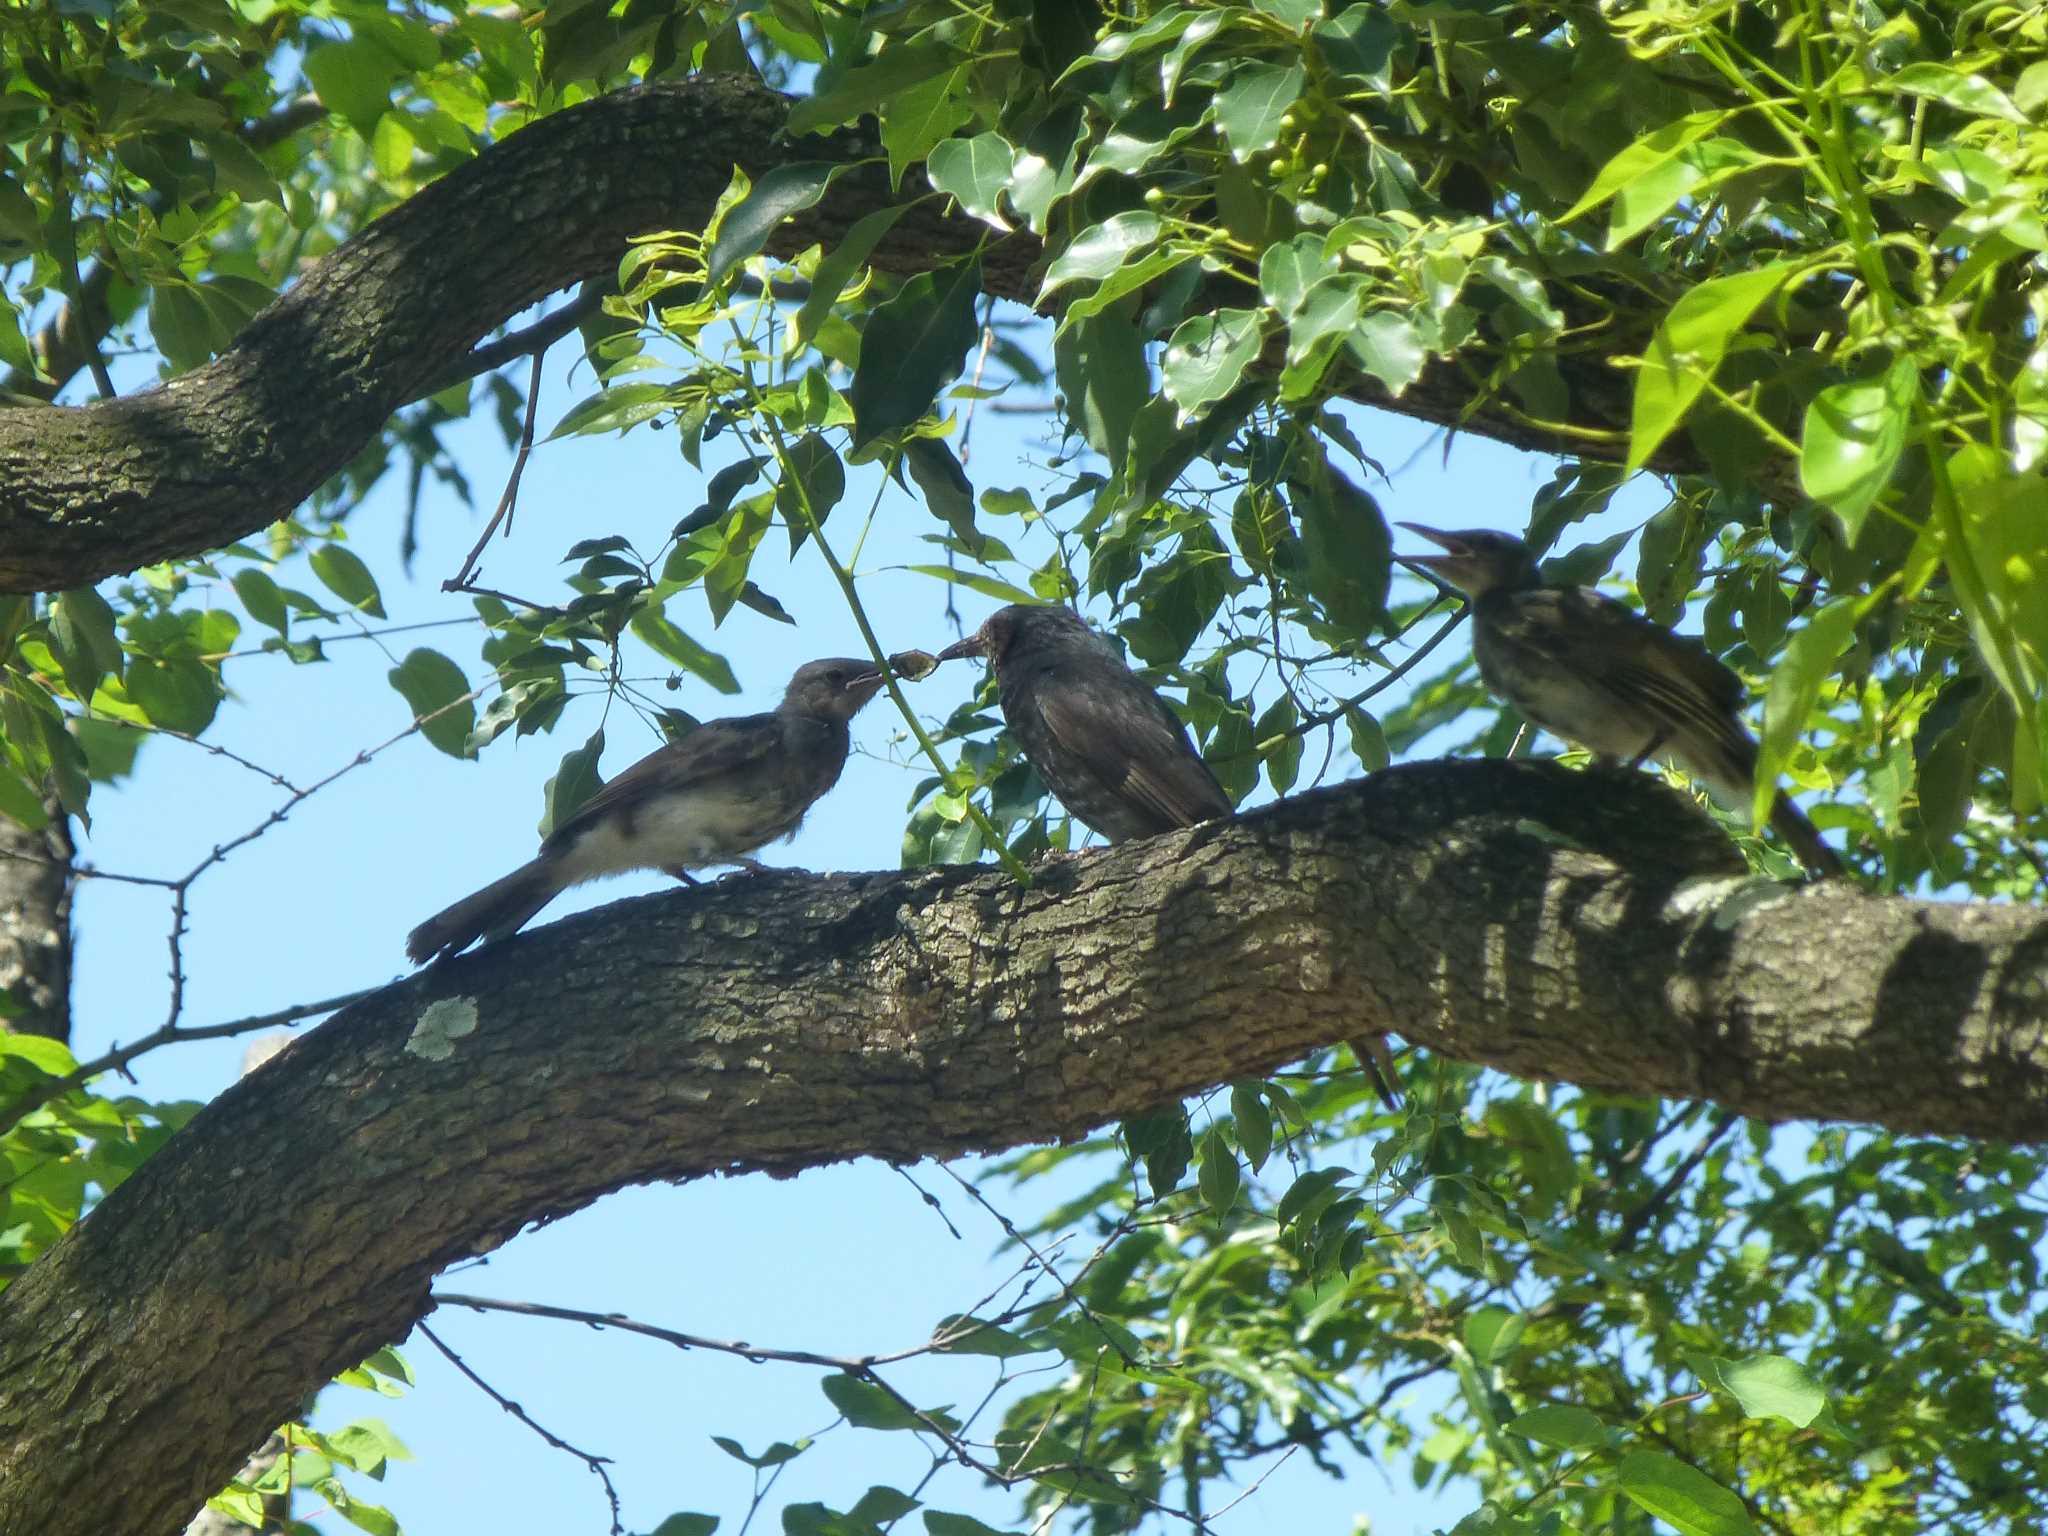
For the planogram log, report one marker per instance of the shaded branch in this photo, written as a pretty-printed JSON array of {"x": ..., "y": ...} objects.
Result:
[{"x": 1546, "y": 923}]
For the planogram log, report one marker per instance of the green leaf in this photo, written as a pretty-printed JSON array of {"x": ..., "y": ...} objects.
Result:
[
  {"x": 1388, "y": 347},
  {"x": 1358, "y": 45},
  {"x": 1852, "y": 441},
  {"x": 1100, "y": 249},
  {"x": 939, "y": 1523},
  {"x": 1162, "y": 1141},
  {"x": 261, "y": 597},
  {"x": 919, "y": 119},
  {"x": 1684, "y": 1496},
  {"x": 975, "y": 581},
  {"x": 343, "y": 574},
  {"x": 1207, "y": 356},
  {"x": 181, "y": 326},
  {"x": 1692, "y": 170},
  {"x": 433, "y": 685},
  {"x": 1767, "y": 1386},
  {"x": 837, "y": 270},
  {"x": 958, "y": 1334},
  {"x": 686, "y": 1525},
  {"x": 1642, "y": 158},
  {"x": 1560, "y": 1426},
  {"x": 83, "y": 640},
  {"x": 1368, "y": 740},
  {"x": 180, "y": 694},
  {"x": 671, "y": 644},
  {"x": 882, "y": 1505},
  {"x": 913, "y": 344},
  {"x": 573, "y": 782},
  {"x": 976, "y": 173},
  {"x": 1220, "y": 1179},
  {"x": 774, "y": 1456},
  {"x": 947, "y": 490},
  {"x": 1279, "y": 743},
  {"x": 48, "y": 1056},
  {"x": 785, "y": 190},
  {"x": 866, "y": 1405},
  {"x": 353, "y": 78},
  {"x": 1689, "y": 345},
  {"x": 1254, "y": 1123},
  {"x": 868, "y": 87},
  {"x": 1492, "y": 1333},
  {"x": 1288, "y": 269},
  {"x": 613, "y": 409},
  {"x": 236, "y": 169},
  {"x": 1327, "y": 317},
  {"x": 1250, "y": 108},
  {"x": 1796, "y": 682},
  {"x": 1970, "y": 93},
  {"x": 21, "y": 803},
  {"x": 1102, "y": 371},
  {"x": 814, "y": 466},
  {"x": 1347, "y": 549}
]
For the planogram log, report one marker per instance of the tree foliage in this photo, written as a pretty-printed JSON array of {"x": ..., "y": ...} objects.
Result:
[{"x": 1790, "y": 259}]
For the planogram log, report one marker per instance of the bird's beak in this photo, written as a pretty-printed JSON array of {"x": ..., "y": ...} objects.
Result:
[
  {"x": 1435, "y": 565},
  {"x": 975, "y": 644},
  {"x": 863, "y": 686}
]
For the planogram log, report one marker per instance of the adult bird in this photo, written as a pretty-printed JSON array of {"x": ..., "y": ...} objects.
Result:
[
  {"x": 1595, "y": 672},
  {"x": 727, "y": 788},
  {"x": 1110, "y": 748}
]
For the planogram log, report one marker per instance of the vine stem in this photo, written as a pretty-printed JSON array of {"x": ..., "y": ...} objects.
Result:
[{"x": 989, "y": 835}]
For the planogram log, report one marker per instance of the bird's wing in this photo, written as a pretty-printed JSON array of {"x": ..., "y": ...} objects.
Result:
[
  {"x": 1643, "y": 666},
  {"x": 1647, "y": 643},
  {"x": 1129, "y": 737},
  {"x": 714, "y": 750}
]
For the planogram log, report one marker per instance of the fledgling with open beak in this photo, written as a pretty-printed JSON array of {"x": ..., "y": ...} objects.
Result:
[
  {"x": 727, "y": 788},
  {"x": 1110, "y": 748},
  {"x": 1593, "y": 671}
]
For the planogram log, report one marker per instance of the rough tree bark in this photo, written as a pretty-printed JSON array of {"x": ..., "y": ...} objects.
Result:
[
  {"x": 1491, "y": 911},
  {"x": 35, "y": 924},
  {"x": 220, "y": 452}
]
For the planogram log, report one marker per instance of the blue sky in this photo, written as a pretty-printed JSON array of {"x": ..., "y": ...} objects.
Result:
[{"x": 844, "y": 1260}]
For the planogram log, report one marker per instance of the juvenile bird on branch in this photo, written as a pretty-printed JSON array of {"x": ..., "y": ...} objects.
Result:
[
  {"x": 1595, "y": 672},
  {"x": 727, "y": 788},
  {"x": 1110, "y": 748}
]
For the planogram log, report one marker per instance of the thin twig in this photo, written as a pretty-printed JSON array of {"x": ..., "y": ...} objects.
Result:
[
  {"x": 1010, "y": 1230},
  {"x": 597, "y": 1464},
  {"x": 74, "y": 294},
  {"x": 459, "y": 582},
  {"x": 120, "y": 1056},
  {"x": 181, "y": 889},
  {"x": 1640, "y": 1218},
  {"x": 367, "y": 634},
  {"x": 757, "y": 1354},
  {"x": 532, "y": 341},
  {"x": 929, "y": 1199}
]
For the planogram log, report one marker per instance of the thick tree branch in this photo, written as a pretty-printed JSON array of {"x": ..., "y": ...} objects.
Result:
[
  {"x": 220, "y": 452},
  {"x": 788, "y": 1021}
]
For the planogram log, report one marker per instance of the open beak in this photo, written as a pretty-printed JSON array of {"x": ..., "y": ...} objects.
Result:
[
  {"x": 863, "y": 686},
  {"x": 1434, "y": 565},
  {"x": 975, "y": 644}
]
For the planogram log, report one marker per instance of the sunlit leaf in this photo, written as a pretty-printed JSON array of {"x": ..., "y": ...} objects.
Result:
[
  {"x": 434, "y": 687},
  {"x": 1689, "y": 346},
  {"x": 1853, "y": 438},
  {"x": 1686, "y": 1497}
]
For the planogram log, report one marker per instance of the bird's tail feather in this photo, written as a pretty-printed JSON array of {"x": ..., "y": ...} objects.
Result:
[
  {"x": 1726, "y": 764},
  {"x": 497, "y": 909},
  {"x": 1790, "y": 823}
]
